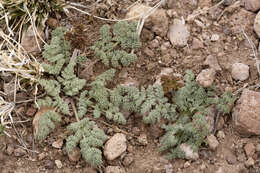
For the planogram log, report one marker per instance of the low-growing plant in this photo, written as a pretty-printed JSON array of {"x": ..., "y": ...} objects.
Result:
[
  {"x": 185, "y": 113},
  {"x": 112, "y": 46},
  {"x": 89, "y": 137},
  {"x": 58, "y": 55}
]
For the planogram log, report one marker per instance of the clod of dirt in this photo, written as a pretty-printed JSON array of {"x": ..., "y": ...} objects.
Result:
[
  {"x": 115, "y": 146},
  {"x": 41, "y": 156},
  {"x": 189, "y": 153},
  {"x": 58, "y": 164},
  {"x": 154, "y": 44},
  {"x": 58, "y": 144},
  {"x": 142, "y": 139},
  {"x": 53, "y": 23},
  {"x": 230, "y": 157},
  {"x": 49, "y": 164},
  {"x": 10, "y": 150},
  {"x": 74, "y": 155},
  {"x": 240, "y": 71},
  {"x": 246, "y": 113},
  {"x": 18, "y": 152},
  {"x": 251, "y": 5},
  {"x": 257, "y": 24},
  {"x": 212, "y": 62},
  {"x": 128, "y": 160},
  {"x": 249, "y": 149},
  {"x": 178, "y": 33},
  {"x": 206, "y": 77},
  {"x": 29, "y": 42},
  {"x": 196, "y": 44},
  {"x": 114, "y": 169},
  {"x": 213, "y": 142},
  {"x": 30, "y": 111},
  {"x": 250, "y": 162},
  {"x": 148, "y": 52}
]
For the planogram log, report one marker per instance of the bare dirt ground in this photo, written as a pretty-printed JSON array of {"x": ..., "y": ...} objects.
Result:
[{"x": 225, "y": 21}]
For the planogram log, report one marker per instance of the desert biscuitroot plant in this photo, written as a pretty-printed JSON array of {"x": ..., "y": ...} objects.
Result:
[
  {"x": 113, "y": 46},
  {"x": 190, "y": 128},
  {"x": 89, "y": 137},
  {"x": 57, "y": 55}
]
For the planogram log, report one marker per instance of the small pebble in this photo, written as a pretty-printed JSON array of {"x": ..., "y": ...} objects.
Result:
[
  {"x": 250, "y": 162},
  {"x": 221, "y": 134},
  {"x": 18, "y": 152},
  {"x": 214, "y": 37},
  {"x": 58, "y": 164},
  {"x": 186, "y": 164}
]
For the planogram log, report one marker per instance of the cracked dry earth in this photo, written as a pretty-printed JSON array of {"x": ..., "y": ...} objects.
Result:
[{"x": 214, "y": 39}]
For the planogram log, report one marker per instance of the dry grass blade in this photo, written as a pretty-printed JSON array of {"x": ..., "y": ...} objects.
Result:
[
  {"x": 14, "y": 60},
  {"x": 254, "y": 51},
  {"x": 142, "y": 15},
  {"x": 6, "y": 109}
]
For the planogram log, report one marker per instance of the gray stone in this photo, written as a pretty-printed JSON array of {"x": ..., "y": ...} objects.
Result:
[
  {"x": 178, "y": 33},
  {"x": 212, "y": 62},
  {"x": 245, "y": 115},
  {"x": 240, "y": 71},
  {"x": 115, "y": 146},
  {"x": 189, "y": 153},
  {"x": 213, "y": 142},
  {"x": 206, "y": 77},
  {"x": 251, "y": 5}
]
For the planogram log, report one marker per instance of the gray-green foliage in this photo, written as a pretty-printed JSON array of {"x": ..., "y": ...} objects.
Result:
[
  {"x": 46, "y": 123},
  {"x": 191, "y": 102},
  {"x": 57, "y": 53},
  {"x": 63, "y": 80},
  {"x": 112, "y": 46},
  {"x": 89, "y": 137},
  {"x": 149, "y": 102},
  {"x": 97, "y": 98},
  {"x": 72, "y": 84}
]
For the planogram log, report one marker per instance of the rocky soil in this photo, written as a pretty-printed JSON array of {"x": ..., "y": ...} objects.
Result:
[{"x": 217, "y": 40}]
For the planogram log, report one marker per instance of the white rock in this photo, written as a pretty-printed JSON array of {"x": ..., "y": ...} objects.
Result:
[
  {"x": 206, "y": 77},
  {"x": 221, "y": 134},
  {"x": 189, "y": 153},
  {"x": 240, "y": 71},
  {"x": 58, "y": 144},
  {"x": 178, "y": 33},
  {"x": 257, "y": 24},
  {"x": 214, "y": 37},
  {"x": 213, "y": 142},
  {"x": 250, "y": 162},
  {"x": 58, "y": 164},
  {"x": 115, "y": 146}
]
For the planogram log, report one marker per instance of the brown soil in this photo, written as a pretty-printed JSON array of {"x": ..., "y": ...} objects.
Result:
[{"x": 230, "y": 48}]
